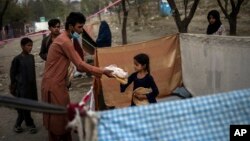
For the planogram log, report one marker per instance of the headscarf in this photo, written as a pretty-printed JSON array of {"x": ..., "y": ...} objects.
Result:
[
  {"x": 104, "y": 38},
  {"x": 212, "y": 28}
]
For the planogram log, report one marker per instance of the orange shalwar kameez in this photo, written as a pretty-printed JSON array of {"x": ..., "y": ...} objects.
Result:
[{"x": 54, "y": 88}]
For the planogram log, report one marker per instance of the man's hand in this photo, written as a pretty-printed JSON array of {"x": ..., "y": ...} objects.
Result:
[{"x": 108, "y": 73}]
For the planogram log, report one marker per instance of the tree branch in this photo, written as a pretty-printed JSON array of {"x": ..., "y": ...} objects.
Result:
[
  {"x": 176, "y": 13},
  {"x": 193, "y": 9},
  {"x": 3, "y": 12},
  {"x": 223, "y": 9},
  {"x": 232, "y": 4},
  {"x": 237, "y": 9},
  {"x": 5, "y": 7},
  {"x": 185, "y": 5}
]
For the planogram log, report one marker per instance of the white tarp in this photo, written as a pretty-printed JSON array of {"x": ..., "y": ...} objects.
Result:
[
  {"x": 39, "y": 26},
  {"x": 212, "y": 63}
]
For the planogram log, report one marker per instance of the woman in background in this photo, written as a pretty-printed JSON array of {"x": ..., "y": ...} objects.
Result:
[
  {"x": 215, "y": 26},
  {"x": 104, "y": 38}
]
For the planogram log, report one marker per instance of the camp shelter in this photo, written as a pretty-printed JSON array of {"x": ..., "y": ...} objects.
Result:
[
  {"x": 205, "y": 64},
  {"x": 214, "y": 64}
]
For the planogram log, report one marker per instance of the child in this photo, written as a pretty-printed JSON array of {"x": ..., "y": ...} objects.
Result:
[
  {"x": 23, "y": 83},
  {"x": 142, "y": 78},
  {"x": 215, "y": 26}
]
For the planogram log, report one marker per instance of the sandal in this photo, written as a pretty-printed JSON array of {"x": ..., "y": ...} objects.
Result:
[
  {"x": 32, "y": 129},
  {"x": 18, "y": 129}
]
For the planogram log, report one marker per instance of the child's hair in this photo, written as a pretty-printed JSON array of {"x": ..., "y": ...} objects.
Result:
[
  {"x": 25, "y": 41},
  {"x": 143, "y": 59},
  {"x": 215, "y": 14}
]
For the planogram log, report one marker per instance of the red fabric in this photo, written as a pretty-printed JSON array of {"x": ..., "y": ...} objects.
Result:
[
  {"x": 72, "y": 112},
  {"x": 86, "y": 98}
]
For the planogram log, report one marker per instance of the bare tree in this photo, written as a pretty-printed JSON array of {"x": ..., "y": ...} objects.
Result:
[
  {"x": 183, "y": 24},
  {"x": 232, "y": 17},
  {"x": 124, "y": 23},
  {"x": 2, "y": 12}
]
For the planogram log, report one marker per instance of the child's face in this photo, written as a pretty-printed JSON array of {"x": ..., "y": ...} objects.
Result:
[
  {"x": 211, "y": 19},
  {"x": 27, "y": 47},
  {"x": 137, "y": 66}
]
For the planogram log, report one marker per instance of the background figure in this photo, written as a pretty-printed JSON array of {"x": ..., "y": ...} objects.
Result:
[
  {"x": 6, "y": 29},
  {"x": 215, "y": 26},
  {"x": 104, "y": 38},
  {"x": 142, "y": 79},
  {"x": 54, "y": 27},
  {"x": 23, "y": 83}
]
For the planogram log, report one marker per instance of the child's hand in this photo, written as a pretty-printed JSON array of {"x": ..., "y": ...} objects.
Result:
[
  {"x": 125, "y": 69},
  {"x": 141, "y": 96},
  {"x": 12, "y": 89}
]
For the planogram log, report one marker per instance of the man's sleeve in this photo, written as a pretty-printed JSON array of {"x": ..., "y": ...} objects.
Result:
[
  {"x": 13, "y": 70},
  {"x": 43, "y": 53},
  {"x": 81, "y": 65}
]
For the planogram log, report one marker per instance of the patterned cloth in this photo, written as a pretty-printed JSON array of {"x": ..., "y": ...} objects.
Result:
[{"x": 206, "y": 118}]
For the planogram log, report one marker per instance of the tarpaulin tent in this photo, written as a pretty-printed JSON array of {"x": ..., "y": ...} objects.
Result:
[
  {"x": 207, "y": 64},
  {"x": 165, "y": 65}
]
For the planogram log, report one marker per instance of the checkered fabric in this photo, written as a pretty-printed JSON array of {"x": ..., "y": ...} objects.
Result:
[{"x": 206, "y": 118}]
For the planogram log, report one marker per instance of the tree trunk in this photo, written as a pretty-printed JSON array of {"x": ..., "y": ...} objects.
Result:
[
  {"x": 182, "y": 28},
  {"x": 233, "y": 24},
  {"x": 124, "y": 23},
  {"x": 99, "y": 17},
  {"x": 2, "y": 13},
  {"x": 138, "y": 6},
  {"x": 119, "y": 17},
  {"x": 182, "y": 25},
  {"x": 139, "y": 11},
  {"x": 232, "y": 17}
]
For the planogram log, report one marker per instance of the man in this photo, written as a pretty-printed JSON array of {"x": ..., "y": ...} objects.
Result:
[
  {"x": 54, "y": 88},
  {"x": 54, "y": 27}
]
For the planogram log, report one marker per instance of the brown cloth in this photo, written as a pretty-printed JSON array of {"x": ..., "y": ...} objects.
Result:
[
  {"x": 165, "y": 66},
  {"x": 54, "y": 89}
]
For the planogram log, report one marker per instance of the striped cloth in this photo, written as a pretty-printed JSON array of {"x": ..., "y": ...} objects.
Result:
[{"x": 206, "y": 118}]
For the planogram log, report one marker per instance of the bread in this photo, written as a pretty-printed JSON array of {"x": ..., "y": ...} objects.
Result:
[
  {"x": 141, "y": 91},
  {"x": 121, "y": 80}
]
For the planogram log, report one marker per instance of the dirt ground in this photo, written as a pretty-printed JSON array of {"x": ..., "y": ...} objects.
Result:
[
  {"x": 8, "y": 116},
  {"x": 155, "y": 27}
]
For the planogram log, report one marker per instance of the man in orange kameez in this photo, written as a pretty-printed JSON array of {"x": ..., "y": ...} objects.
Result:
[{"x": 54, "y": 85}]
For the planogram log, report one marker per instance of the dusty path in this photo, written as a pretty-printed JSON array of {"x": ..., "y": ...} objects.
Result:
[{"x": 8, "y": 116}]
